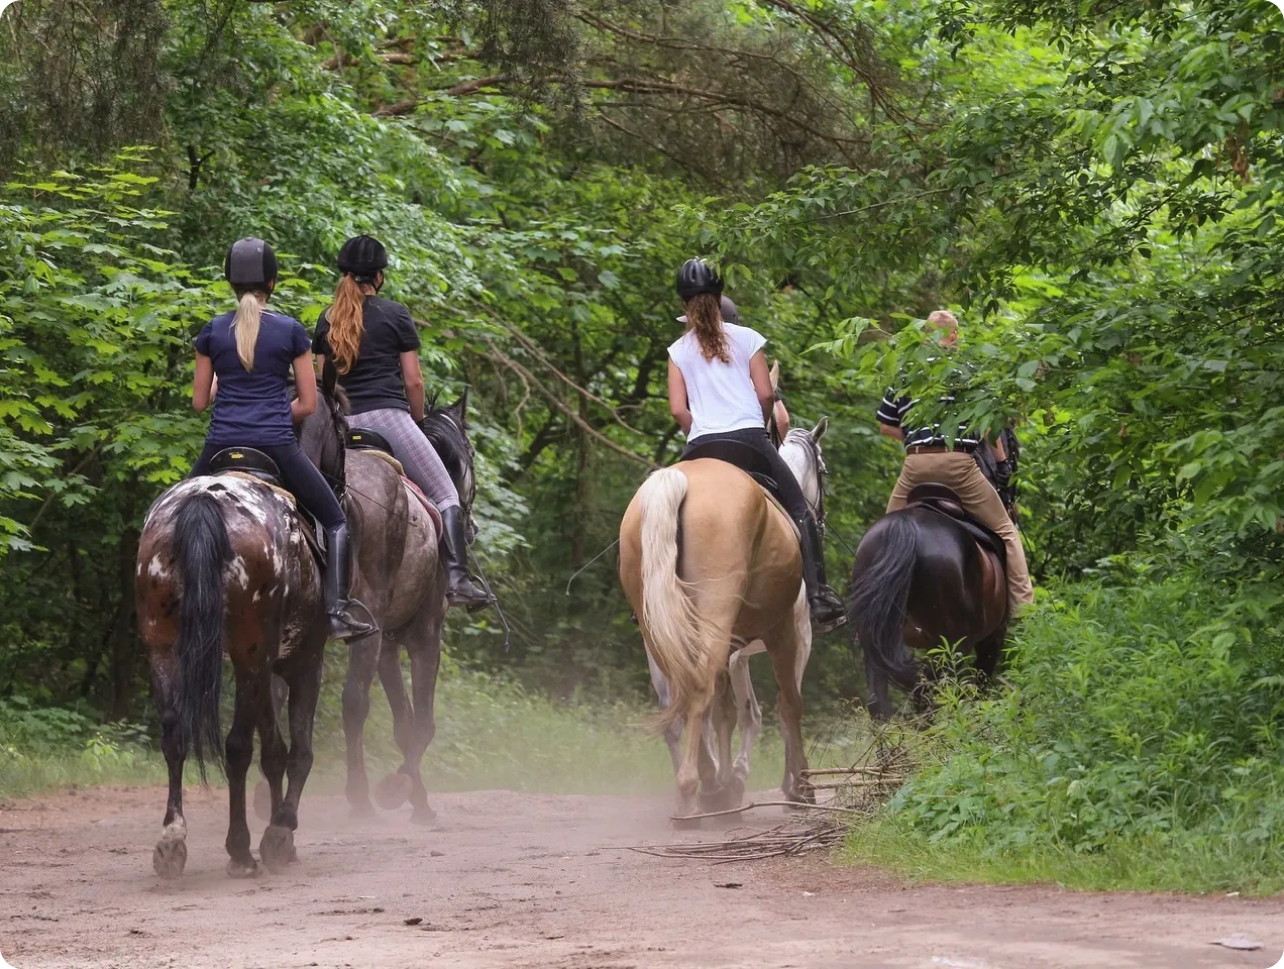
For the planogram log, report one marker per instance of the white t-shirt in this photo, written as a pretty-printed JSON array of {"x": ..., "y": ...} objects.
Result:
[{"x": 720, "y": 395}]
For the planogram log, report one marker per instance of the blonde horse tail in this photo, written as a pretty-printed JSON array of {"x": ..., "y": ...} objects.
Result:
[{"x": 676, "y": 634}]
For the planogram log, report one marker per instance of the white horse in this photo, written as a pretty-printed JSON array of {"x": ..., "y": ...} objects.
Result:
[{"x": 799, "y": 450}]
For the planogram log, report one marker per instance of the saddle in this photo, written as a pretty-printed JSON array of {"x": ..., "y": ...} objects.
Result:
[
  {"x": 748, "y": 459},
  {"x": 378, "y": 445},
  {"x": 247, "y": 462},
  {"x": 943, "y": 500}
]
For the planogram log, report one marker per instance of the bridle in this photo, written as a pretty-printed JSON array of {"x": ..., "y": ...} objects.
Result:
[{"x": 818, "y": 461}]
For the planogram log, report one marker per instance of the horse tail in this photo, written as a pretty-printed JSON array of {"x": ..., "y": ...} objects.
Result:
[
  {"x": 880, "y": 594},
  {"x": 676, "y": 633},
  {"x": 203, "y": 552}
]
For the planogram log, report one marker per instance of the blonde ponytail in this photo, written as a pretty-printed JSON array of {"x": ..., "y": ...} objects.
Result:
[
  {"x": 249, "y": 313},
  {"x": 705, "y": 317},
  {"x": 347, "y": 322}
]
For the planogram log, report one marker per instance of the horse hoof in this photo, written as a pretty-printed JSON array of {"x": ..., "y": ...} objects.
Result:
[
  {"x": 277, "y": 847},
  {"x": 423, "y": 815},
  {"x": 242, "y": 869},
  {"x": 392, "y": 792},
  {"x": 263, "y": 801},
  {"x": 169, "y": 858}
]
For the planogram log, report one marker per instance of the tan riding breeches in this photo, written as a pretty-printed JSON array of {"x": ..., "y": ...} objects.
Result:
[{"x": 958, "y": 470}]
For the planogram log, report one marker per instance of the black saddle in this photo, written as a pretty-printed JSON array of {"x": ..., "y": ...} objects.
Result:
[
  {"x": 744, "y": 456},
  {"x": 248, "y": 461},
  {"x": 362, "y": 440},
  {"x": 943, "y": 500}
]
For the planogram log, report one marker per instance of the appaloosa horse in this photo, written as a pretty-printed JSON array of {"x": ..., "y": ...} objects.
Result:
[
  {"x": 401, "y": 579},
  {"x": 708, "y": 561},
  {"x": 224, "y": 566},
  {"x": 921, "y": 579}
]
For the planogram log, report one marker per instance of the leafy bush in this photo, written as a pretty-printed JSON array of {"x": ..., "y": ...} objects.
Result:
[{"x": 1139, "y": 722}]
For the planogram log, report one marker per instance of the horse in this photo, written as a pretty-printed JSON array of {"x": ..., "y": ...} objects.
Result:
[
  {"x": 920, "y": 579},
  {"x": 801, "y": 451},
  {"x": 709, "y": 562},
  {"x": 225, "y": 566},
  {"x": 401, "y": 579}
]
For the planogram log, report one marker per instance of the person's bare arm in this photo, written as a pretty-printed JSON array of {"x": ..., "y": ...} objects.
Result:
[
  {"x": 678, "y": 404},
  {"x": 998, "y": 450},
  {"x": 413, "y": 376},
  {"x": 305, "y": 387},
  {"x": 761, "y": 375},
  {"x": 203, "y": 383},
  {"x": 895, "y": 433}
]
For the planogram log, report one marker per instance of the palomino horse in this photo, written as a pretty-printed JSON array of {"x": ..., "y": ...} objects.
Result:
[
  {"x": 708, "y": 560},
  {"x": 801, "y": 451},
  {"x": 400, "y": 577},
  {"x": 921, "y": 579},
  {"x": 224, "y": 566}
]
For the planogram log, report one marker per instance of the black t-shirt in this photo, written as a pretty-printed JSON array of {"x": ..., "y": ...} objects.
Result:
[{"x": 374, "y": 381}]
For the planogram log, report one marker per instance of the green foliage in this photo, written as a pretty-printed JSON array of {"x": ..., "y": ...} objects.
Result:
[{"x": 1136, "y": 724}]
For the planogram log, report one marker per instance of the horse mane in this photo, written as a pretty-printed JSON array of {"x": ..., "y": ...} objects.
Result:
[{"x": 448, "y": 438}]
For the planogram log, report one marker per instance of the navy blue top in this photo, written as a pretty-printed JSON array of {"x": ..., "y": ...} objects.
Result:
[{"x": 252, "y": 408}]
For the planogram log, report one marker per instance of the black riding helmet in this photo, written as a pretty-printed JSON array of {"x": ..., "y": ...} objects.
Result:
[
  {"x": 695, "y": 277},
  {"x": 363, "y": 256},
  {"x": 250, "y": 262}
]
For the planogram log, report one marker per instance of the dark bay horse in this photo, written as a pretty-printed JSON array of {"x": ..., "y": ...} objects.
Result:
[
  {"x": 224, "y": 566},
  {"x": 401, "y": 578},
  {"x": 921, "y": 579}
]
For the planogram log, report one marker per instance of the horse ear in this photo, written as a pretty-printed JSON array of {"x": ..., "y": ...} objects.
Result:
[
  {"x": 460, "y": 407},
  {"x": 819, "y": 430},
  {"x": 775, "y": 375}
]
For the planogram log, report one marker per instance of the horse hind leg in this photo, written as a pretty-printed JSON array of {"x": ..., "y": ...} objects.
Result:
[
  {"x": 169, "y": 857},
  {"x": 363, "y": 655},
  {"x": 392, "y": 791},
  {"x": 425, "y": 665},
  {"x": 726, "y": 790},
  {"x": 748, "y": 712},
  {"x": 673, "y": 729},
  {"x": 303, "y": 676},
  {"x": 240, "y": 754},
  {"x": 272, "y": 752},
  {"x": 782, "y": 648}
]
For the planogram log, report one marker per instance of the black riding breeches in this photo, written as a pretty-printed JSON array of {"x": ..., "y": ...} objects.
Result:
[
  {"x": 791, "y": 494},
  {"x": 299, "y": 476}
]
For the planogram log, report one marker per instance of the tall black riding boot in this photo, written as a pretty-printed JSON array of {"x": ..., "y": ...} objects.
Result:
[
  {"x": 463, "y": 589},
  {"x": 343, "y": 625},
  {"x": 827, "y": 610}
]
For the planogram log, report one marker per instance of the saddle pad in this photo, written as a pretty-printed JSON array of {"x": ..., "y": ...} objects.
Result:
[
  {"x": 246, "y": 476},
  {"x": 388, "y": 458},
  {"x": 307, "y": 523},
  {"x": 416, "y": 495}
]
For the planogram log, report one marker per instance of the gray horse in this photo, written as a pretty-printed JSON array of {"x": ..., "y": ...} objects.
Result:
[{"x": 401, "y": 579}]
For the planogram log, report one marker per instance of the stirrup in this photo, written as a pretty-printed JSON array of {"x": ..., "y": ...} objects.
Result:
[
  {"x": 825, "y": 625},
  {"x": 345, "y": 626}
]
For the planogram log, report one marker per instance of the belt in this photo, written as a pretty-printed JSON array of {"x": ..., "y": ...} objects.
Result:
[{"x": 939, "y": 449}]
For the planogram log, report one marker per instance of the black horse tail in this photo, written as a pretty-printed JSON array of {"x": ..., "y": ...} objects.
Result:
[
  {"x": 880, "y": 594},
  {"x": 203, "y": 552}
]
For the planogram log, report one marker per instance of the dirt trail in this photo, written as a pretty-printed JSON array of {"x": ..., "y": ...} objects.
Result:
[{"x": 517, "y": 880}]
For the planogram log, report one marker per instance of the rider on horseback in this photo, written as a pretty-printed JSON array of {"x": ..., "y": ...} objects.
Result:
[
  {"x": 929, "y": 458},
  {"x": 252, "y": 352},
  {"x": 720, "y": 389},
  {"x": 374, "y": 345}
]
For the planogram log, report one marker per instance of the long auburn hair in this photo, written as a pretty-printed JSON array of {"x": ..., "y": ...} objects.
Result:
[
  {"x": 347, "y": 322},
  {"x": 705, "y": 318},
  {"x": 249, "y": 315}
]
